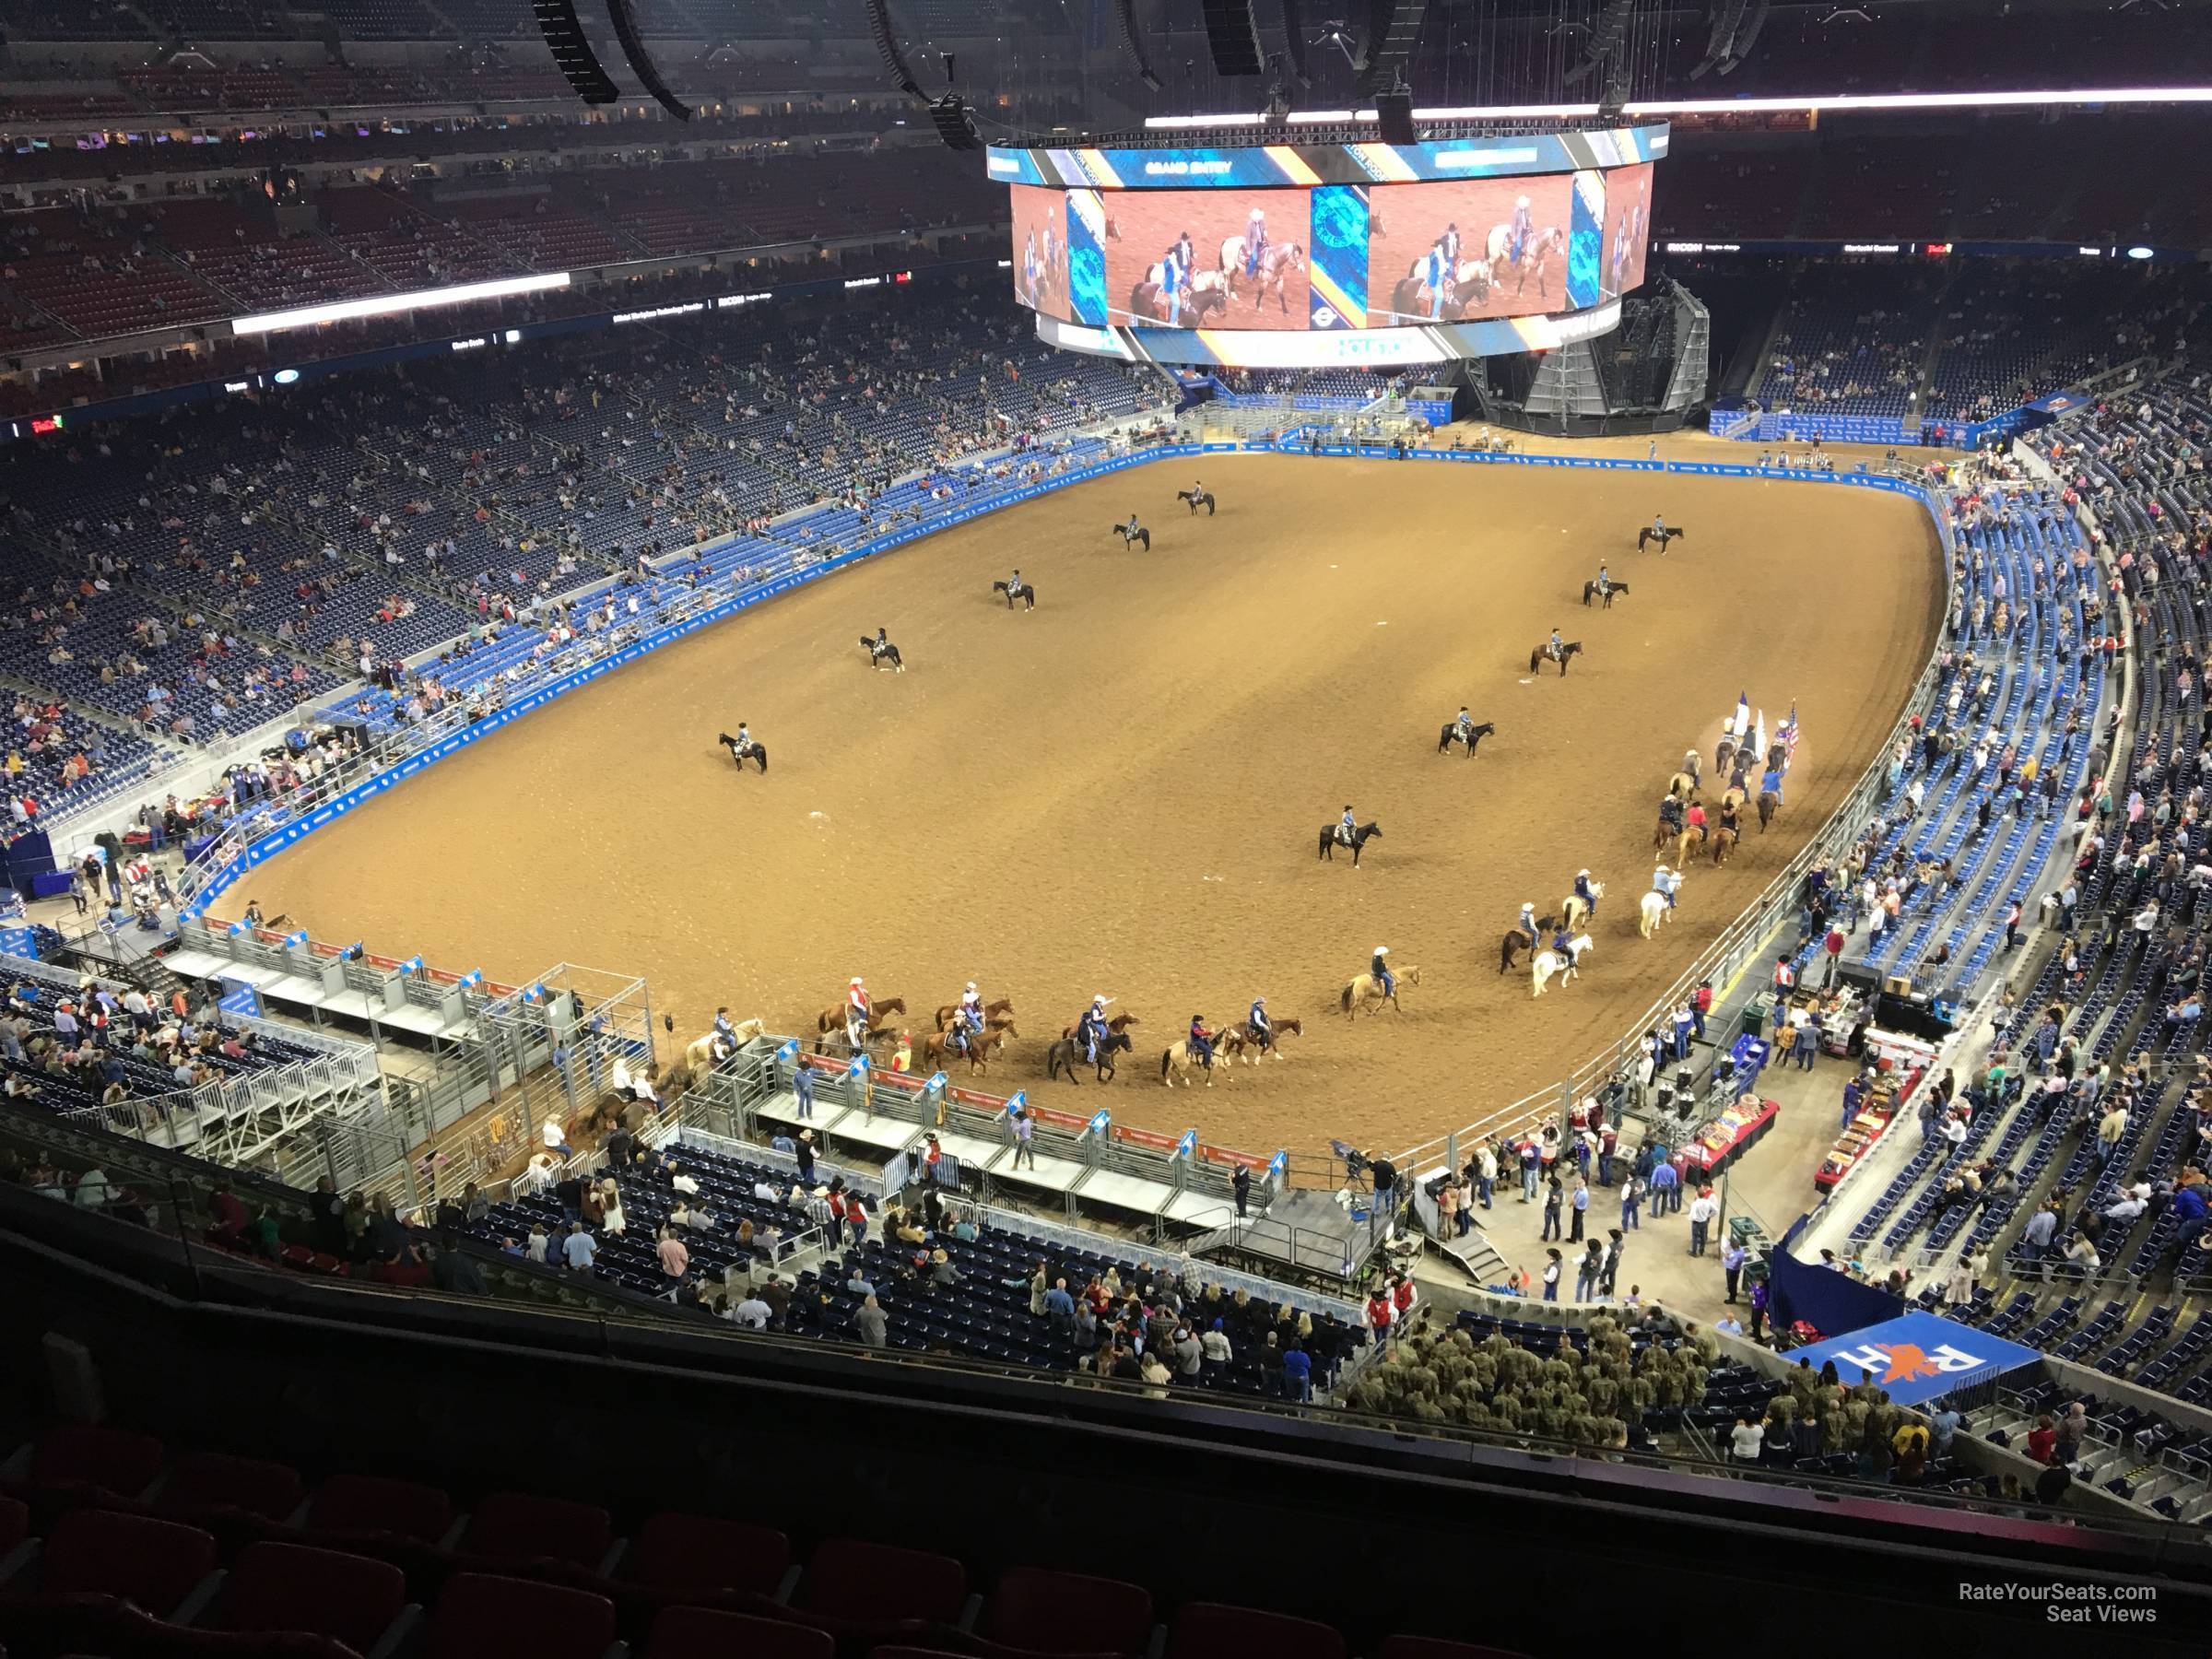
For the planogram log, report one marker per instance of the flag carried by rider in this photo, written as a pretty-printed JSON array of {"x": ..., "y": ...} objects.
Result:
[
  {"x": 1743, "y": 714},
  {"x": 1788, "y": 734}
]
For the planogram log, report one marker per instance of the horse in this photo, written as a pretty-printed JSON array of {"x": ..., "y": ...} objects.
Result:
[
  {"x": 1768, "y": 801},
  {"x": 1722, "y": 753},
  {"x": 980, "y": 1049},
  {"x": 1575, "y": 909},
  {"x": 832, "y": 1020},
  {"x": 1547, "y": 962},
  {"x": 938, "y": 1046},
  {"x": 1536, "y": 253},
  {"x": 1646, "y": 536},
  {"x": 1650, "y": 913},
  {"x": 1196, "y": 499},
  {"x": 1476, "y": 733},
  {"x": 1025, "y": 592},
  {"x": 755, "y": 750},
  {"x": 1176, "y": 1061},
  {"x": 1139, "y": 534},
  {"x": 1682, "y": 785},
  {"x": 1277, "y": 262},
  {"x": 881, "y": 654},
  {"x": 1364, "y": 988},
  {"x": 1235, "y": 1040},
  {"x": 1612, "y": 591},
  {"x": 993, "y": 1012},
  {"x": 1361, "y": 837},
  {"x": 1473, "y": 276},
  {"x": 1543, "y": 653},
  {"x": 1723, "y": 843},
  {"x": 1114, "y": 1026},
  {"x": 1204, "y": 294},
  {"x": 1068, "y": 1052},
  {"x": 1684, "y": 843},
  {"x": 698, "y": 1054}
]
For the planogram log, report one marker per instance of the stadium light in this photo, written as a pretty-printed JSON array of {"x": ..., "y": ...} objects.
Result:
[
  {"x": 385, "y": 305},
  {"x": 1725, "y": 106}
]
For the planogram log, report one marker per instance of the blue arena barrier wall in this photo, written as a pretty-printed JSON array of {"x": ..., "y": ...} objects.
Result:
[{"x": 215, "y": 880}]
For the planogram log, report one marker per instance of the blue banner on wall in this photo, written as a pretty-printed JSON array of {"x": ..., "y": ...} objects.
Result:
[{"x": 1917, "y": 1357}]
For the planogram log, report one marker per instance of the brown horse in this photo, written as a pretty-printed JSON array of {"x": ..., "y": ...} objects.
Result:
[
  {"x": 1067, "y": 1054},
  {"x": 1723, "y": 843},
  {"x": 1116, "y": 1026},
  {"x": 981, "y": 1049},
  {"x": 937, "y": 1047},
  {"x": 1515, "y": 943},
  {"x": 829, "y": 1022},
  {"x": 1568, "y": 651},
  {"x": 1768, "y": 803},
  {"x": 991, "y": 1011},
  {"x": 1236, "y": 1042}
]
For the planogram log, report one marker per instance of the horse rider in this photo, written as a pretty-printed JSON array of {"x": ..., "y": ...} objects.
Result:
[
  {"x": 1090, "y": 1030},
  {"x": 1556, "y": 647},
  {"x": 1132, "y": 530},
  {"x": 1728, "y": 817},
  {"x": 1562, "y": 944},
  {"x": 1585, "y": 892},
  {"x": 1436, "y": 272},
  {"x": 1527, "y": 923},
  {"x": 1347, "y": 827},
  {"x": 1695, "y": 819},
  {"x": 1257, "y": 1025},
  {"x": 857, "y": 1011},
  {"x": 1605, "y": 581},
  {"x": 1667, "y": 883},
  {"x": 1521, "y": 231},
  {"x": 1694, "y": 764},
  {"x": 723, "y": 1028},
  {"x": 1464, "y": 727},
  {"x": 1447, "y": 245},
  {"x": 745, "y": 740},
  {"x": 1256, "y": 241},
  {"x": 1770, "y": 783},
  {"x": 882, "y": 646},
  {"x": 1014, "y": 585},
  {"x": 1659, "y": 527},
  {"x": 1670, "y": 813},
  {"x": 1201, "y": 1042},
  {"x": 1378, "y": 969},
  {"x": 967, "y": 1018},
  {"x": 1175, "y": 276}
]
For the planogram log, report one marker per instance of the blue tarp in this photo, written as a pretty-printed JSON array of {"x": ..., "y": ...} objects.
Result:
[{"x": 1918, "y": 1357}]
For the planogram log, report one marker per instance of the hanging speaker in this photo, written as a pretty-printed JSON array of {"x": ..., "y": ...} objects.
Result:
[
  {"x": 1392, "y": 25},
  {"x": 955, "y": 126},
  {"x": 641, "y": 61},
  {"x": 1393, "y": 115},
  {"x": 886, "y": 48},
  {"x": 572, "y": 55},
  {"x": 1232, "y": 34}
]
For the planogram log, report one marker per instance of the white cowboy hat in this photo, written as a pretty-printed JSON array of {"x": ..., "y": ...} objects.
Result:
[
  {"x": 1381, "y": 950},
  {"x": 971, "y": 985},
  {"x": 1661, "y": 870},
  {"x": 1101, "y": 999},
  {"x": 1581, "y": 873},
  {"x": 853, "y": 981}
]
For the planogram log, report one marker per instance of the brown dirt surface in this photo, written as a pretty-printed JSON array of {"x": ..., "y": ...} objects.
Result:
[{"x": 1122, "y": 790}]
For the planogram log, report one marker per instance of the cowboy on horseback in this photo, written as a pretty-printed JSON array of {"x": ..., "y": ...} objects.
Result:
[
  {"x": 1585, "y": 891},
  {"x": 1256, "y": 241},
  {"x": 1665, "y": 883},
  {"x": 1605, "y": 581},
  {"x": 1464, "y": 727},
  {"x": 1659, "y": 528},
  {"x": 1090, "y": 1030},
  {"x": 1131, "y": 531},
  {"x": 1527, "y": 923},
  {"x": 1380, "y": 972},
  {"x": 1520, "y": 230},
  {"x": 1670, "y": 813},
  {"x": 1555, "y": 648},
  {"x": 1257, "y": 1026},
  {"x": 1347, "y": 827},
  {"x": 1014, "y": 583},
  {"x": 966, "y": 1019},
  {"x": 1436, "y": 275},
  {"x": 1201, "y": 1042},
  {"x": 880, "y": 647},
  {"x": 857, "y": 1012}
]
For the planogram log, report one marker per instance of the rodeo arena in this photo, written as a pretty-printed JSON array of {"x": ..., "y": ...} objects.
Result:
[{"x": 1583, "y": 924}]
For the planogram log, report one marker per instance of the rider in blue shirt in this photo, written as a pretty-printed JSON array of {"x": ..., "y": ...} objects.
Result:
[
  {"x": 1382, "y": 974},
  {"x": 1346, "y": 826},
  {"x": 1556, "y": 647},
  {"x": 1092, "y": 1028},
  {"x": 1605, "y": 581},
  {"x": 1659, "y": 526},
  {"x": 1526, "y": 922},
  {"x": 1465, "y": 726},
  {"x": 1581, "y": 890}
]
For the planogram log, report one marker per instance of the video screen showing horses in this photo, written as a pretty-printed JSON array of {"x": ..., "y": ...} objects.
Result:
[
  {"x": 1628, "y": 228},
  {"x": 1459, "y": 252},
  {"x": 1208, "y": 258},
  {"x": 1040, "y": 250}
]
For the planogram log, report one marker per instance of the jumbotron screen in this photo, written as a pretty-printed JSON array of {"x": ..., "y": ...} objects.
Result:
[{"x": 1285, "y": 255}]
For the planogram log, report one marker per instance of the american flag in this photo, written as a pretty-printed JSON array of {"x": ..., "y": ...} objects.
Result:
[{"x": 1789, "y": 732}]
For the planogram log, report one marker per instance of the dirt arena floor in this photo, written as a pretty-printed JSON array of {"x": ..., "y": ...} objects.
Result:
[{"x": 1122, "y": 790}]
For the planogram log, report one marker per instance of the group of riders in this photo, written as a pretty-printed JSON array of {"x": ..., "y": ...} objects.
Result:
[
  {"x": 1096, "y": 1026},
  {"x": 1180, "y": 263}
]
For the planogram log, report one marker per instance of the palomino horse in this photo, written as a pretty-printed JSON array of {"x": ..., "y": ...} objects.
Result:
[
  {"x": 1645, "y": 536},
  {"x": 1361, "y": 837},
  {"x": 1516, "y": 942},
  {"x": 1543, "y": 653},
  {"x": 832, "y": 1020},
  {"x": 752, "y": 751},
  {"x": 1025, "y": 592},
  {"x": 1139, "y": 535},
  {"x": 1682, "y": 785},
  {"x": 1768, "y": 803},
  {"x": 938, "y": 1048},
  {"x": 1067, "y": 1052},
  {"x": 698, "y": 1054},
  {"x": 1180, "y": 1060},
  {"x": 1612, "y": 591},
  {"x": 1536, "y": 254},
  {"x": 1476, "y": 733},
  {"x": 1684, "y": 843},
  {"x": 1575, "y": 909},
  {"x": 993, "y": 1012},
  {"x": 882, "y": 656},
  {"x": 1569, "y": 964},
  {"x": 1723, "y": 843},
  {"x": 1237, "y": 1042},
  {"x": 1196, "y": 499},
  {"x": 1650, "y": 913},
  {"x": 1365, "y": 988}
]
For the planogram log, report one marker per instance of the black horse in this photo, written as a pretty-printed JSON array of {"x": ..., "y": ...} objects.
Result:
[
  {"x": 1474, "y": 736},
  {"x": 1361, "y": 837},
  {"x": 1613, "y": 590},
  {"x": 1139, "y": 534},
  {"x": 1543, "y": 653},
  {"x": 1647, "y": 535},
  {"x": 1068, "y": 1052},
  {"x": 1196, "y": 499},
  {"x": 1025, "y": 592},
  {"x": 1515, "y": 943},
  {"x": 881, "y": 652},
  {"x": 753, "y": 750}
]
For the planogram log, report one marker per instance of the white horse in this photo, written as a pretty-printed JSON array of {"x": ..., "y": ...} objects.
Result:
[
  {"x": 1650, "y": 913},
  {"x": 1569, "y": 966},
  {"x": 1536, "y": 255}
]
